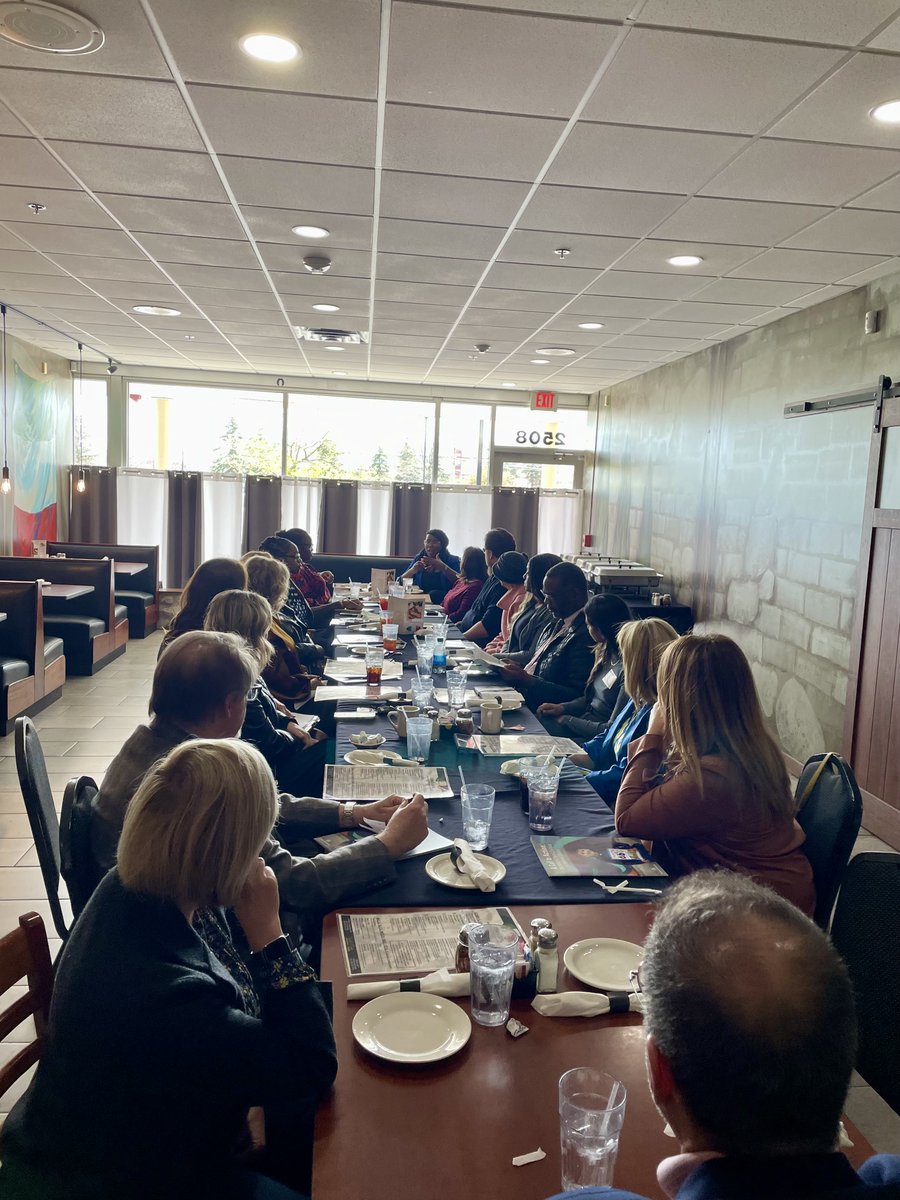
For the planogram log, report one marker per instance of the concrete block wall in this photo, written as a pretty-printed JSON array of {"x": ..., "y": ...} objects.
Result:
[{"x": 754, "y": 519}]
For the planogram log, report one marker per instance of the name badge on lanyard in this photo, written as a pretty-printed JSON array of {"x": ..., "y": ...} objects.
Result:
[{"x": 610, "y": 678}]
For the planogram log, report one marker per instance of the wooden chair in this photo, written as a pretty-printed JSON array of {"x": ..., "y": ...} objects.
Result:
[{"x": 24, "y": 954}]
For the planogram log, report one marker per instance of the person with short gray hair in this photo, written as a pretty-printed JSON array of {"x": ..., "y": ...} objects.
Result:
[{"x": 751, "y": 1040}]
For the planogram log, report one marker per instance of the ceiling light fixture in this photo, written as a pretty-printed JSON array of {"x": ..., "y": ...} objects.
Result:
[
  {"x": 38, "y": 25},
  {"x": 556, "y": 351},
  {"x": 540, "y": 362},
  {"x": 339, "y": 372},
  {"x": 37, "y": 208},
  {"x": 886, "y": 114},
  {"x": 326, "y": 307},
  {"x": 311, "y": 231},
  {"x": 590, "y": 325},
  {"x": 510, "y": 385},
  {"x": 562, "y": 252},
  {"x": 335, "y": 349},
  {"x": 269, "y": 47},
  {"x": 684, "y": 260},
  {"x": 156, "y": 310},
  {"x": 189, "y": 337},
  {"x": 317, "y": 264}
]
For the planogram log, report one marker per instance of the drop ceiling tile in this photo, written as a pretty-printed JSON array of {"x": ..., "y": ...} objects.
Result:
[
  {"x": 478, "y": 145},
  {"x": 134, "y": 171},
  {"x": 338, "y": 40},
  {"x": 885, "y": 196},
  {"x": 683, "y": 329},
  {"x": 492, "y": 61},
  {"x": 658, "y": 346},
  {"x": 13, "y": 281},
  {"x": 190, "y": 275},
  {"x": 565, "y": 329},
  {"x": 417, "y": 312},
  {"x": 409, "y": 328},
  {"x": 353, "y": 263},
  {"x": 633, "y": 158},
  {"x": 820, "y": 294},
  {"x": 25, "y": 261},
  {"x": 498, "y": 318},
  {"x": 62, "y": 208},
  {"x": 645, "y": 284},
  {"x": 26, "y": 162},
  {"x": 300, "y": 310},
  {"x": 889, "y": 38},
  {"x": 275, "y": 225},
  {"x": 427, "y": 293},
  {"x": 130, "y": 48},
  {"x": 422, "y": 269},
  {"x": 531, "y": 246},
  {"x": 45, "y": 299},
  {"x": 888, "y": 266},
  {"x": 169, "y": 249},
  {"x": 838, "y": 111},
  {"x": 441, "y": 198},
  {"x": 149, "y": 214},
  {"x": 724, "y": 72},
  {"x": 62, "y": 239},
  {"x": 123, "y": 293},
  {"x": 521, "y": 301},
  {"x": 9, "y": 125},
  {"x": 278, "y": 125},
  {"x": 742, "y": 222},
  {"x": 750, "y": 291},
  {"x": 595, "y": 307},
  {"x": 805, "y": 265},
  {"x": 598, "y": 211},
  {"x": 301, "y": 283},
  {"x": 255, "y": 305},
  {"x": 54, "y": 103},
  {"x": 92, "y": 268},
  {"x": 855, "y": 230},
  {"x": 274, "y": 184},
  {"x": 802, "y": 20},
  {"x": 653, "y": 255},
  {"x": 558, "y": 278}
]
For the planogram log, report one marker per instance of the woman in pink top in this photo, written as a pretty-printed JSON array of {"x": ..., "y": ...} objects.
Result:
[
  {"x": 464, "y": 593},
  {"x": 707, "y": 783},
  {"x": 510, "y": 569}
]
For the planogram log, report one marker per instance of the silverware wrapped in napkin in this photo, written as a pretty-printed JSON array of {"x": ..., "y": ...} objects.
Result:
[
  {"x": 586, "y": 1004},
  {"x": 463, "y": 858},
  {"x": 438, "y": 983}
]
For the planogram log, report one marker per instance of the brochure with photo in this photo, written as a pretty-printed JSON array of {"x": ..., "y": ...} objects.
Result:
[{"x": 595, "y": 856}]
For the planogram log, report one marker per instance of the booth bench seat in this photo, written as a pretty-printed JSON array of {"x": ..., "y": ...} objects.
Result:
[
  {"x": 138, "y": 592},
  {"x": 32, "y": 666}
]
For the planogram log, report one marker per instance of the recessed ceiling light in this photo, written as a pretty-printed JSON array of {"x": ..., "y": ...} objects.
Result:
[
  {"x": 590, "y": 325},
  {"x": 540, "y": 362},
  {"x": 155, "y": 310},
  {"x": 311, "y": 231},
  {"x": 509, "y": 385},
  {"x": 887, "y": 114},
  {"x": 339, "y": 372},
  {"x": 268, "y": 47},
  {"x": 335, "y": 349},
  {"x": 556, "y": 351},
  {"x": 326, "y": 308},
  {"x": 684, "y": 260}
]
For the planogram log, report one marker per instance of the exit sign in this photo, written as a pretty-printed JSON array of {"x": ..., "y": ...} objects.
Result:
[{"x": 544, "y": 400}]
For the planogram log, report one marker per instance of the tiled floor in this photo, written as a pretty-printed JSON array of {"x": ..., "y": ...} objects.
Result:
[{"x": 81, "y": 733}]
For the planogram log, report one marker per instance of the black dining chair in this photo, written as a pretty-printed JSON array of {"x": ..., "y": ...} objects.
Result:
[
  {"x": 39, "y": 806},
  {"x": 77, "y": 863},
  {"x": 866, "y": 934},
  {"x": 829, "y": 810}
]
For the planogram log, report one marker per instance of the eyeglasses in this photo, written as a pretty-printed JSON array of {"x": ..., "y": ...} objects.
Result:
[{"x": 634, "y": 978}]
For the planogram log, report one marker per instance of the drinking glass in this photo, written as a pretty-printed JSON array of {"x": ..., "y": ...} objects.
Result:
[
  {"x": 390, "y": 635},
  {"x": 383, "y": 602},
  {"x": 492, "y": 963},
  {"x": 354, "y": 590},
  {"x": 408, "y": 585},
  {"x": 425, "y": 659},
  {"x": 542, "y": 789},
  {"x": 374, "y": 665},
  {"x": 591, "y": 1112},
  {"x": 421, "y": 693},
  {"x": 477, "y": 809},
  {"x": 456, "y": 688},
  {"x": 418, "y": 737}
]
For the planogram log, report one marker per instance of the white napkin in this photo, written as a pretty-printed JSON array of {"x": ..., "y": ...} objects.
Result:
[
  {"x": 438, "y": 983},
  {"x": 469, "y": 865},
  {"x": 580, "y": 1004}
]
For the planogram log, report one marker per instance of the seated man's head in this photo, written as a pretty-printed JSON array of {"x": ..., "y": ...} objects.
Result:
[
  {"x": 284, "y": 550},
  {"x": 565, "y": 589},
  {"x": 748, "y": 1010},
  {"x": 201, "y": 683},
  {"x": 497, "y": 542},
  {"x": 301, "y": 540}
]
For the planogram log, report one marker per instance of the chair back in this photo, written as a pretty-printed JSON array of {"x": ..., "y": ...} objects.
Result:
[
  {"x": 38, "y": 797},
  {"x": 24, "y": 954},
  {"x": 829, "y": 810},
  {"x": 77, "y": 864},
  {"x": 866, "y": 934}
]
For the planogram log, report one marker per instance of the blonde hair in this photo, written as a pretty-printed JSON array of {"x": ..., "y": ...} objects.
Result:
[
  {"x": 245, "y": 558},
  {"x": 197, "y": 822},
  {"x": 247, "y": 614},
  {"x": 711, "y": 707},
  {"x": 641, "y": 644},
  {"x": 269, "y": 578}
]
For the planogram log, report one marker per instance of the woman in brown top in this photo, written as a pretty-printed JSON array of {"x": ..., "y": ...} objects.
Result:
[{"x": 723, "y": 798}]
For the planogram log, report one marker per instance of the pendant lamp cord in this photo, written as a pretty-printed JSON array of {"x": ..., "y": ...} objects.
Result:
[
  {"x": 80, "y": 401},
  {"x": 5, "y": 442}
]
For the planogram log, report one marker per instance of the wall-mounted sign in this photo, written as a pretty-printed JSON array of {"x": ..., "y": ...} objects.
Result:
[
  {"x": 561, "y": 429},
  {"x": 544, "y": 400}
]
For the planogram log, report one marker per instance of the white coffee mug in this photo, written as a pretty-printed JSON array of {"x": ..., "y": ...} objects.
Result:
[{"x": 491, "y": 716}]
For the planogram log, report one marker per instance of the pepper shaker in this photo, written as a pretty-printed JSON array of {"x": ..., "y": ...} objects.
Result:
[{"x": 548, "y": 961}]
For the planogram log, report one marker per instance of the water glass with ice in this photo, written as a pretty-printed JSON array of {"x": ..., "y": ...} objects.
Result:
[
  {"x": 591, "y": 1112},
  {"x": 456, "y": 688},
  {"x": 425, "y": 659},
  {"x": 492, "y": 963},
  {"x": 355, "y": 590},
  {"x": 477, "y": 809},
  {"x": 418, "y": 737},
  {"x": 542, "y": 789},
  {"x": 421, "y": 692}
]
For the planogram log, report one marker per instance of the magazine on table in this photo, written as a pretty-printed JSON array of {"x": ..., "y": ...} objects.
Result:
[{"x": 597, "y": 856}]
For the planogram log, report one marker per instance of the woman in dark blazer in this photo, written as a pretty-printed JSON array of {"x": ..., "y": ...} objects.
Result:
[{"x": 160, "y": 1040}]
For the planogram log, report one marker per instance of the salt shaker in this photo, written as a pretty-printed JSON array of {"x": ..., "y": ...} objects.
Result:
[
  {"x": 535, "y": 928},
  {"x": 548, "y": 961}
]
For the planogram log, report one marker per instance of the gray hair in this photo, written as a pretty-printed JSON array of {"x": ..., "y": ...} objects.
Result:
[
  {"x": 753, "y": 1010},
  {"x": 198, "y": 672}
]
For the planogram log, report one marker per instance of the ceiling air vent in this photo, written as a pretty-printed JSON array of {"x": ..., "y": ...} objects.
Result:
[
  {"x": 342, "y": 337},
  {"x": 36, "y": 25}
]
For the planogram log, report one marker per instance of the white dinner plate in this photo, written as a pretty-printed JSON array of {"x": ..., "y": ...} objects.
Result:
[
  {"x": 442, "y": 870},
  {"x": 373, "y": 745},
  {"x": 357, "y": 758},
  {"x": 604, "y": 963},
  {"x": 411, "y": 1027}
]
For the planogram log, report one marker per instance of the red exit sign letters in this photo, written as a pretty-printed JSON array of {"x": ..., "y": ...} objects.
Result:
[{"x": 544, "y": 400}]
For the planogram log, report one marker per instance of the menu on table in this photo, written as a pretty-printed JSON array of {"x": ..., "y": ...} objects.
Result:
[
  {"x": 399, "y": 943},
  {"x": 350, "y": 668},
  {"x": 356, "y": 639},
  {"x": 355, "y": 691},
  {"x": 374, "y": 783},
  {"x": 492, "y": 745}
]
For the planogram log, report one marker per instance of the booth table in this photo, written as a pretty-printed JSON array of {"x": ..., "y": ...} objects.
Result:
[
  {"x": 65, "y": 591},
  {"x": 129, "y": 568}
]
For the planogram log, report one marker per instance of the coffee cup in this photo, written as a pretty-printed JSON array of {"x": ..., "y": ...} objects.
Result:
[
  {"x": 491, "y": 715},
  {"x": 399, "y": 716}
]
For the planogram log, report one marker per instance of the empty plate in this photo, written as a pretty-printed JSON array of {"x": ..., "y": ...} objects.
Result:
[
  {"x": 411, "y": 1027},
  {"x": 604, "y": 963},
  {"x": 442, "y": 870}
]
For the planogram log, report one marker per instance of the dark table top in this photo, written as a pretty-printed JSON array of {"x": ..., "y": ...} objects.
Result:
[{"x": 65, "y": 591}]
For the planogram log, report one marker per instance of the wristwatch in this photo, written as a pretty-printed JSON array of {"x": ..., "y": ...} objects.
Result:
[
  {"x": 348, "y": 815},
  {"x": 278, "y": 951}
]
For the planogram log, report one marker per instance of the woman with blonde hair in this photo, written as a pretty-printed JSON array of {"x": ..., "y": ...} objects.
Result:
[
  {"x": 211, "y": 577},
  {"x": 641, "y": 644},
  {"x": 725, "y": 799},
  {"x": 295, "y": 657},
  {"x": 160, "y": 1039},
  {"x": 297, "y": 758}
]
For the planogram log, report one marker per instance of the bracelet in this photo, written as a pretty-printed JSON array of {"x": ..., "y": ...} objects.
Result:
[{"x": 347, "y": 815}]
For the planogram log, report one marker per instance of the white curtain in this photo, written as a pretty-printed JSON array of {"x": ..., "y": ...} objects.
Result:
[
  {"x": 373, "y": 521},
  {"x": 559, "y": 522},
  {"x": 301, "y": 500},
  {"x": 223, "y": 516},
  {"x": 464, "y": 513},
  {"x": 142, "y": 500}
]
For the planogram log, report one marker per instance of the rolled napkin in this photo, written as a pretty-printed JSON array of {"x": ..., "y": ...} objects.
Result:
[
  {"x": 438, "y": 983},
  {"x": 586, "y": 1004},
  {"x": 465, "y": 861}
]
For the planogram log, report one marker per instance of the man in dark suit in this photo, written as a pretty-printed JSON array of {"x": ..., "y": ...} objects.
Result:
[
  {"x": 751, "y": 1039},
  {"x": 564, "y": 657}
]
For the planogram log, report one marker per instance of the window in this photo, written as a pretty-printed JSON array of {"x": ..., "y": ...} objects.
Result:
[
  {"x": 537, "y": 474},
  {"x": 354, "y": 437},
  {"x": 90, "y": 422},
  {"x": 219, "y": 430},
  {"x": 464, "y": 444},
  {"x": 566, "y": 429}
]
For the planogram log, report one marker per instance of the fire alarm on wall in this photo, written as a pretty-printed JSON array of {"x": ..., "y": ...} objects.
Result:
[{"x": 873, "y": 320}]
